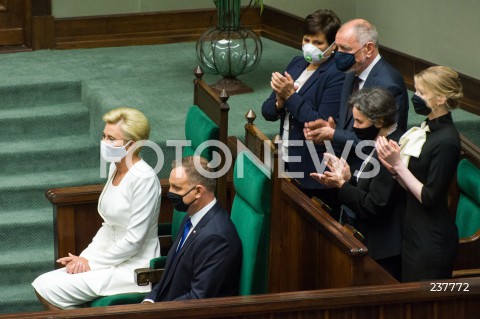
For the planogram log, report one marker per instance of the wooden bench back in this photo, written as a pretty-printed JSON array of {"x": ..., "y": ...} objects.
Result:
[
  {"x": 216, "y": 108},
  {"x": 468, "y": 258}
]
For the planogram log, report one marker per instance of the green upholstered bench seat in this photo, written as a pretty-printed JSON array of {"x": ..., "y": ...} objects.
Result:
[
  {"x": 468, "y": 208},
  {"x": 118, "y": 299}
]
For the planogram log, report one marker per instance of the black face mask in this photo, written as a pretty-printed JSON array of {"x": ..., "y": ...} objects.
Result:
[
  {"x": 420, "y": 105},
  {"x": 367, "y": 133},
  {"x": 177, "y": 200},
  {"x": 344, "y": 61}
]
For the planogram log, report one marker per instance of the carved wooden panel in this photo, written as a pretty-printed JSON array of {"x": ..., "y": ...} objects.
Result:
[
  {"x": 25, "y": 22},
  {"x": 12, "y": 22}
]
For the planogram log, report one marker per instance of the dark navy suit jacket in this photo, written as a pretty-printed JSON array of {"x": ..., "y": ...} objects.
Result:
[
  {"x": 208, "y": 264},
  {"x": 318, "y": 98},
  {"x": 382, "y": 75}
]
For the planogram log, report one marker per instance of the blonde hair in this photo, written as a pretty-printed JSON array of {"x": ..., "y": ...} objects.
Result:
[
  {"x": 442, "y": 80},
  {"x": 133, "y": 123}
]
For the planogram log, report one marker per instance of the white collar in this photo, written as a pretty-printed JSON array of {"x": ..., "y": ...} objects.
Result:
[
  {"x": 392, "y": 129},
  {"x": 364, "y": 164},
  {"x": 195, "y": 219},
  {"x": 364, "y": 75}
]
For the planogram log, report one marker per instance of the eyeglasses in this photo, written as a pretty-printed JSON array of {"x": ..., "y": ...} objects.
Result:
[{"x": 362, "y": 47}]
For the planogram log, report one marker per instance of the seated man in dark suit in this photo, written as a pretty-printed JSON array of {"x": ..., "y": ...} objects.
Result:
[
  {"x": 206, "y": 257},
  {"x": 357, "y": 43}
]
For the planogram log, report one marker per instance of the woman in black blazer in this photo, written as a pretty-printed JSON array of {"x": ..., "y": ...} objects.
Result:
[{"x": 372, "y": 201}]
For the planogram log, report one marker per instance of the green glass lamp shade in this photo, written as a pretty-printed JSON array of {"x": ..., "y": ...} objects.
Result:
[{"x": 229, "y": 52}]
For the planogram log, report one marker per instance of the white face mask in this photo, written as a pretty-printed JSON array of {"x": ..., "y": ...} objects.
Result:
[
  {"x": 314, "y": 55},
  {"x": 113, "y": 153}
]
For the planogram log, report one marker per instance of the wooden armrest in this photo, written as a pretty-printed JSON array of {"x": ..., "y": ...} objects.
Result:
[
  {"x": 85, "y": 194},
  {"x": 144, "y": 276},
  {"x": 466, "y": 273},
  {"x": 322, "y": 204},
  {"x": 74, "y": 195},
  {"x": 468, "y": 256},
  {"x": 471, "y": 240},
  {"x": 349, "y": 228},
  {"x": 352, "y": 230}
]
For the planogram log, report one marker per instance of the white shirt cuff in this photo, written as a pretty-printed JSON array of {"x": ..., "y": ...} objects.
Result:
[{"x": 148, "y": 300}]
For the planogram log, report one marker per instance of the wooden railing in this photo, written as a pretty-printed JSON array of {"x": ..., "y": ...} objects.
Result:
[
  {"x": 308, "y": 248},
  {"x": 409, "y": 300}
]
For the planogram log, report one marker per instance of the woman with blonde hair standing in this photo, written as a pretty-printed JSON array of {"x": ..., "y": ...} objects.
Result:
[
  {"x": 129, "y": 206},
  {"x": 425, "y": 164}
]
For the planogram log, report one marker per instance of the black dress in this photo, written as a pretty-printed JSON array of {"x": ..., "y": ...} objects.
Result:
[
  {"x": 430, "y": 239},
  {"x": 379, "y": 204}
]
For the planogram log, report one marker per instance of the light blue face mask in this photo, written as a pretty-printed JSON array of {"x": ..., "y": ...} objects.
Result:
[{"x": 314, "y": 55}]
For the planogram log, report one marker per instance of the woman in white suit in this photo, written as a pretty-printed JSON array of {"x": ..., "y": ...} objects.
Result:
[{"x": 128, "y": 239}]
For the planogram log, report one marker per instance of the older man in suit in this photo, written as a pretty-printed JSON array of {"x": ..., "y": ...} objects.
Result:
[
  {"x": 206, "y": 257},
  {"x": 357, "y": 43}
]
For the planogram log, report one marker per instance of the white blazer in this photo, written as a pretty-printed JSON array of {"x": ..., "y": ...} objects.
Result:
[{"x": 128, "y": 238}]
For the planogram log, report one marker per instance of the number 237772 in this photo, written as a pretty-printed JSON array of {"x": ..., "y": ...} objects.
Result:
[{"x": 451, "y": 286}]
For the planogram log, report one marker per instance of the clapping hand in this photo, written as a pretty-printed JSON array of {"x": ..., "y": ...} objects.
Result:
[
  {"x": 339, "y": 172},
  {"x": 388, "y": 153},
  {"x": 283, "y": 86},
  {"x": 319, "y": 130}
]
